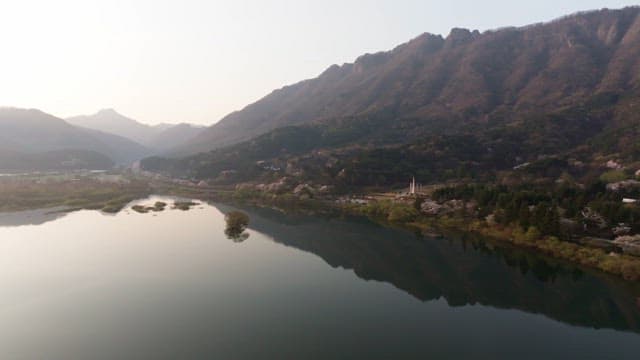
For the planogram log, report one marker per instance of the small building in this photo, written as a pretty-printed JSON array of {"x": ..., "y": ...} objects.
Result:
[
  {"x": 414, "y": 188},
  {"x": 612, "y": 164}
]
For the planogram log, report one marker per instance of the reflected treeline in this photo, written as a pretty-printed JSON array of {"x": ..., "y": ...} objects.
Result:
[
  {"x": 462, "y": 269},
  {"x": 236, "y": 236},
  {"x": 31, "y": 217}
]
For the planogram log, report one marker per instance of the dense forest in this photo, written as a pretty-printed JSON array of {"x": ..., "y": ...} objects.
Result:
[{"x": 542, "y": 143}]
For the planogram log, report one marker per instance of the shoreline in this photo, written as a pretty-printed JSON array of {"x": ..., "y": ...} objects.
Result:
[
  {"x": 626, "y": 267},
  {"x": 112, "y": 198},
  {"x": 623, "y": 266}
]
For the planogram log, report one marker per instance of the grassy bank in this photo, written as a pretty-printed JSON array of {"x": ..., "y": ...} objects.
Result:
[
  {"x": 82, "y": 194},
  {"x": 622, "y": 265},
  {"x": 398, "y": 214}
]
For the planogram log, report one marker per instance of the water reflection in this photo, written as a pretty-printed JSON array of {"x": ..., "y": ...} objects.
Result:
[
  {"x": 236, "y": 237},
  {"x": 463, "y": 270},
  {"x": 31, "y": 217},
  {"x": 170, "y": 285}
]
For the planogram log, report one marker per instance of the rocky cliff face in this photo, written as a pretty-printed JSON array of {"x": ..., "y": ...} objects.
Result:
[{"x": 465, "y": 77}]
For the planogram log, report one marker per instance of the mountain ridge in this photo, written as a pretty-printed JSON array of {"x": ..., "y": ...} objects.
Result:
[
  {"x": 470, "y": 104},
  {"x": 35, "y": 135},
  {"x": 110, "y": 121},
  {"x": 467, "y": 76},
  {"x": 160, "y": 138}
]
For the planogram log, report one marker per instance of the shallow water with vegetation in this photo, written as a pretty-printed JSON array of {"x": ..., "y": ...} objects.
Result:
[{"x": 171, "y": 284}]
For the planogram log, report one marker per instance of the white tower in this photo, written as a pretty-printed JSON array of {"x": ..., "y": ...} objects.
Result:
[{"x": 412, "y": 186}]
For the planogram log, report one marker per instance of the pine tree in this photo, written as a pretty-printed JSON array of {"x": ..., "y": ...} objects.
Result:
[{"x": 524, "y": 216}]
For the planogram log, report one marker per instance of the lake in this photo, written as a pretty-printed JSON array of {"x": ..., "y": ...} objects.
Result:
[{"x": 171, "y": 285}]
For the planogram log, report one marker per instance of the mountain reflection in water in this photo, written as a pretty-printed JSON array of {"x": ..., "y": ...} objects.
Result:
[{"x": 464, "y": 270}]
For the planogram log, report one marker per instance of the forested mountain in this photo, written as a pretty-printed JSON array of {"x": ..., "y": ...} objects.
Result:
[
  {"x": 33, "y": 140},
  {"x": 160, "y": 138},
  {"x": 467, "y": 77},
  {"x": 108, "y": 120},
  {"x": 466, "y": 105},
  {"x": 174, "y": 136},
  {"x": 122, "y": 150},
  {"x": 56, "y": 160}
]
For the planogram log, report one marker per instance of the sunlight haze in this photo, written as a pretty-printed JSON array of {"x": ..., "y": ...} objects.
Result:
[{"x": 196, "y": 61}]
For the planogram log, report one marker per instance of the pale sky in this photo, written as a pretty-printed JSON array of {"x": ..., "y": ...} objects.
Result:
[{"x": 196, "y": 61}]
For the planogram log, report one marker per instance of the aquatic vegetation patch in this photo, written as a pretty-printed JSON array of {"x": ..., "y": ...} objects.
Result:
[{"x": 184, "y": 205}]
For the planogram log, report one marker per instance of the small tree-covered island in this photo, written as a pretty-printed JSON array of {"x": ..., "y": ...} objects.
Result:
[{"x": 236, "y": 224}]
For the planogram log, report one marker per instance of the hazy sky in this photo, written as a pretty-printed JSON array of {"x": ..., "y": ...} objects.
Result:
[{"x": 196, "y": 61}]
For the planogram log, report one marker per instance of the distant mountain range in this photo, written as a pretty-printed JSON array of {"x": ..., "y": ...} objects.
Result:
[
  {"x": 159, "y": 138},
  {"x": 468, "y": 103},
  {"x": 33, "y": 140},
  {"x": 45, "y": 142},
  {"x": 174, "y": 136},
  {"x": 471, "y": 104}
]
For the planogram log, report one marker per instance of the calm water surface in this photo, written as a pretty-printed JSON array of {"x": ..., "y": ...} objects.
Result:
[{"x": 171, "y": 286}]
